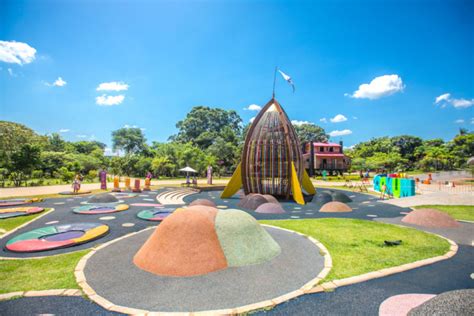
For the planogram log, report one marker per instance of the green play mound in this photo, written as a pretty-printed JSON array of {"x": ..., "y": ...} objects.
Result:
[{"x": 243, "y": 240}]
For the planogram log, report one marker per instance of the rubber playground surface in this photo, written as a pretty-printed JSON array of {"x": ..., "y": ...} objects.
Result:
[{"x": 358, "y": 299}]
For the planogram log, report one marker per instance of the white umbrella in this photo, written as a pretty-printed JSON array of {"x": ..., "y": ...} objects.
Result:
[{"x": 188, "y": 169}]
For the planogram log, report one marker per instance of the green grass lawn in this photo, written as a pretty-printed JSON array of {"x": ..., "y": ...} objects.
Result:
[
  {"x": 460, "y": 212},
  {"x": 357, "y": 246},
  {"x": 11, "y": 223},
  {"x": 56, "y": 272}
]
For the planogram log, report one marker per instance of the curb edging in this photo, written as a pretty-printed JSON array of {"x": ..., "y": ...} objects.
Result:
[
  {"x": 92, "y": 295},
  {"x": 56, "y": 292},
  {"x": 331, "y": 285}
]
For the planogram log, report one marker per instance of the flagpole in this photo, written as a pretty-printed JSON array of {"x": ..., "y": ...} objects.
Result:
[{"x": 274, "y": 80}]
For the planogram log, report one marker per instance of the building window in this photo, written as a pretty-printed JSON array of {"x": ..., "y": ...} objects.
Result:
[
  {"x": 331, "y": 149},
  {"x": 321, "y": 149}
]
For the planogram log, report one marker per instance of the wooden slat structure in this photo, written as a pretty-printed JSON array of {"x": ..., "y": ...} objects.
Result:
[{"x": 270, "y": 148}]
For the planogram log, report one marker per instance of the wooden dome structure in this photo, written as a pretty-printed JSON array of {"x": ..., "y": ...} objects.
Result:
[{"x": 272, "y": 162}]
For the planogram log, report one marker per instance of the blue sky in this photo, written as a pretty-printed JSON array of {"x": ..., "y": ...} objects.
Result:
[{"x": 158, "y": 60}]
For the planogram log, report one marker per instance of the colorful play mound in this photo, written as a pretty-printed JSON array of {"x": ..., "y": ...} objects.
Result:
[
  {"x": 340, "y": 197},
  {"x": 103, "y": 198},
  {"x": 14, "y": 202},
  {"x": 430, "y": 218},
  {"x": 155, "y": 215},
  {"x": 74, "y": 193},
  {"x": 270, "y": 208},
  {"x": 401, "y": 304},
  {"x": 458, "y": 302},
  {"x": 252, "y": 201},
  {"x": 204, "y": 202},
  {"x": 54, "y": 237},
  {"x": 199, "y": 240},
  {"x": 335, "y": 207},
  {"x": 99, "y": 209},
  {"x": 19, "y": 211}
]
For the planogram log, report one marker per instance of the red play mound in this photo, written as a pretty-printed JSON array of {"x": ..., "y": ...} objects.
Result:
[
  {"x": 184, "y": 244},
  {"x": 430, "y": 218},
  {"x": 335, "y": 207},
  {"x": 204, "y": 202}
]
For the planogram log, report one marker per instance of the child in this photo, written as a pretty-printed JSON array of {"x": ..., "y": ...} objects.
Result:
[{"x": 76, "y": 185}]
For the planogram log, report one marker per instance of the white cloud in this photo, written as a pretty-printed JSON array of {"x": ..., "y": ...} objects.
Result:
[
  {"x": 446, "y": 99},
  {"x": 338, "y": 119},
  {"x": 16, "y": 52},
  {"x": 323, "y": 120},
  {"x": 460, "y": 121},
  {"x": 81, "y": 136},
  {"x": 462, "y": 103},
  {"x": 252, "y": 119},
  {"x": 443, "y": 97},
  {"x": 113, "y": 86},
  {"x": 59, "y": 82},
  {"x": 109, "y": 100},
  {"x": 340, "y": 133},
  {"x": 355, "y": 118},
  {"x": 64, "y": 130},
  {"x": 253, "y": 107},
  {"x": 10, "y": 71},
  {"x": 298, "y": 123},
  {"x": 472, "y": 120},
  {"x": 379, "y": 87}
]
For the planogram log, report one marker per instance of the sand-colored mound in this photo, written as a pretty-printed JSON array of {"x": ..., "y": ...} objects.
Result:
[
  {"x": 252, "y": 201},
  {"x": 270, "y": 208},
  {"x": 243, "y": 240},
  {"x": 270, "y": 198},
  {"x": 323, "y": 198},
  {"x": 103, "y": 198},
  {"x": 184, "y": 244},
  {"x": 430, "y": 218},
  {"x": 335, "y": 207},
  {"x": 204, "y": 202},
  {"x": 340, "y": 197}
]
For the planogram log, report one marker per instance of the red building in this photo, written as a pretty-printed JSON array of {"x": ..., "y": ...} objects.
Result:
[{"x": 325, "y": 156}]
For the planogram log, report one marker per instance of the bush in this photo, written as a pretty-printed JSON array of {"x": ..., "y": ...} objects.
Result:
[
  {"x": 65, "y": 174},
  {"x": 91, "y": 175}
]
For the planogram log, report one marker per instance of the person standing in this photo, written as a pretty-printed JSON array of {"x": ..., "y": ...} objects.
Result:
[
  {"x": 103, "y": 179},
  {"x": 76, "y": 184}
]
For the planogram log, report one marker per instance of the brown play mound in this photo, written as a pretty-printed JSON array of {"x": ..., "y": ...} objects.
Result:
[
  {"x": 252, "y": 201},
  {"x": 335, "y": 207},
  {"x": 204, "y": 202},
  {"x": 184, "y": 244},
  {"x": 430, "y": 218},
  {"x": 270, "y": 198},
  {"x": 270, "y": 208}
]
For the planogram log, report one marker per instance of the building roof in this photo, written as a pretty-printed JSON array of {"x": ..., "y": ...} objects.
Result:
[
  {"x": 329, "y": 155},
  {"x": 326, "y": 144},
  {"x": 326, "y": 155}
]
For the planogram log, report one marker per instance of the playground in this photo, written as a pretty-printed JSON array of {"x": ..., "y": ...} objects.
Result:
[{"x": 266, "y": 242}]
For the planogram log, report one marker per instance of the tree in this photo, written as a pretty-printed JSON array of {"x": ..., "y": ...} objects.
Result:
[
  {"x": 203, "y": 125},
  {"x": 161, "y": 166},
  {"x": 130, "y": 140},
  {"x": 12, "y": 137},
  {"x": 24, "y": 162},
  {"x": 407, "y": 145},
  {"x": 56, "y": 143},
  {"x": 310, "y": 132}
]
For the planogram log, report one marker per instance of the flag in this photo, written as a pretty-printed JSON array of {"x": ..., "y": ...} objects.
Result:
[{"x": 287, "y": 79}]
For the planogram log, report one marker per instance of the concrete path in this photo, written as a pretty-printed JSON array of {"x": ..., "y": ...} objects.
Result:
[
  {"x": 55, "y": 189},
  {"x": 434, "y": 198}
]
